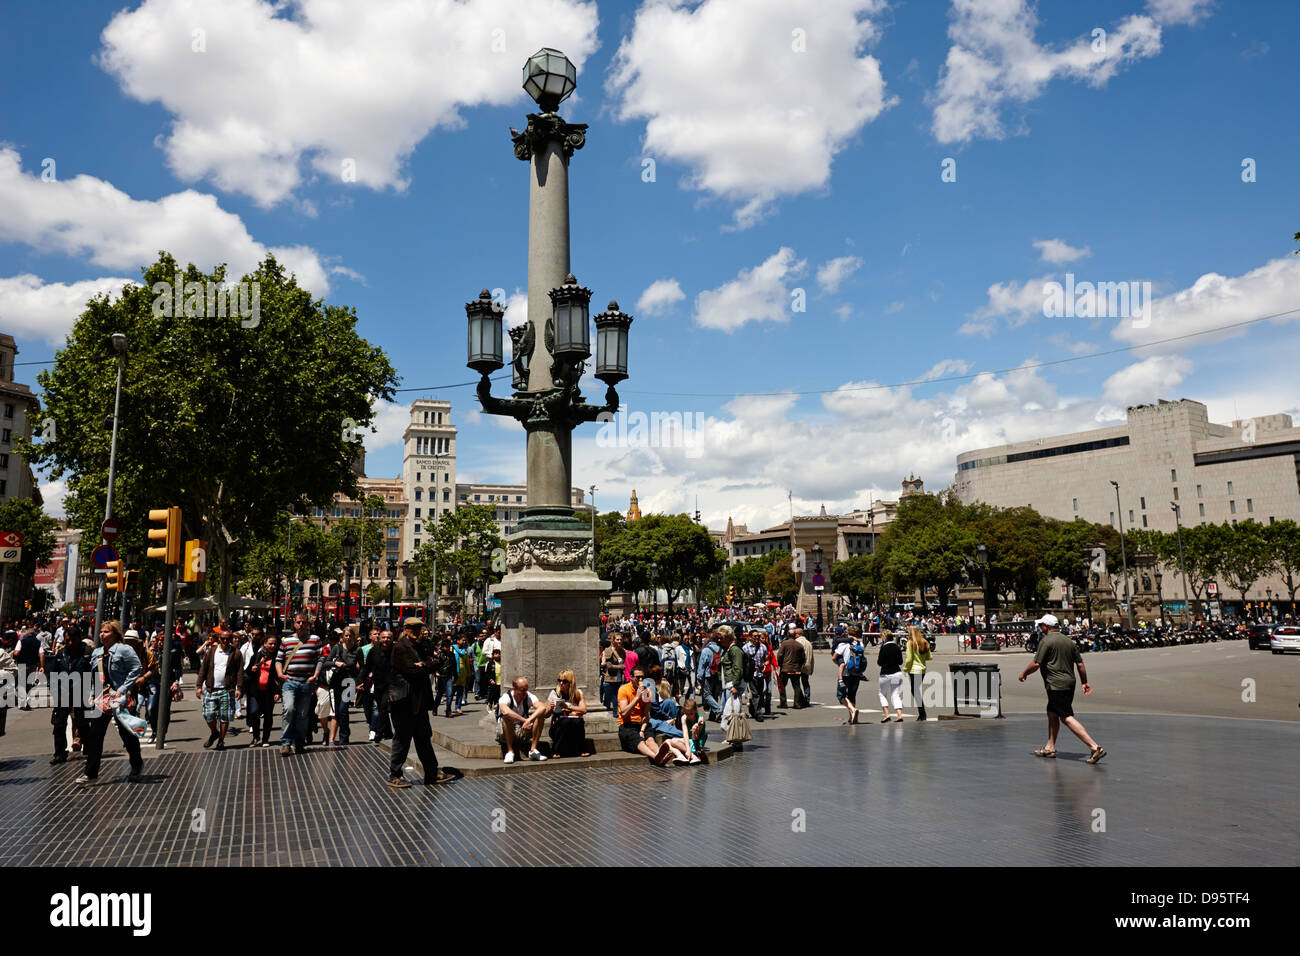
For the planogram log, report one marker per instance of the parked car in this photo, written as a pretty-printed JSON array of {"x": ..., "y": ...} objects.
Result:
[
  {"x": 1285, "y": 638},
  {"x": 1259, "y": 636}
]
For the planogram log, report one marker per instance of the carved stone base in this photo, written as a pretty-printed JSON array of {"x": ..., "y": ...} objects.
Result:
[{"x": 550, "y": 611}]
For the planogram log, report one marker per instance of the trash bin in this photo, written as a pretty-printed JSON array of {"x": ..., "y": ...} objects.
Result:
[
  {"x": 990, "y": 642},
  {"x": 983, "y": 678}
]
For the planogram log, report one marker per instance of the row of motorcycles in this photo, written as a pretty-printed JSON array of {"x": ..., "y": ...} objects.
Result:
[{"x": 1117, "y": 638}]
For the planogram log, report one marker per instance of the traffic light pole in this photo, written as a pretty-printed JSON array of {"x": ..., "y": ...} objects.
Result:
[{"x": 165, "y": 674}]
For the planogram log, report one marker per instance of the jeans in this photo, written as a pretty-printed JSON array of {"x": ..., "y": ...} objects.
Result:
[
  {"x": 461, "y": 691},
  {"x": 93, "y": 745},
  {"x": 608, "y": 694},
  {"x": 796, "y": 683},
  {"x": 708, "y": 687},
  {"x": 297, "y": 698},
  {"x": 379, "y": 719},
  {"x": 262, "y": 718},
  {"x": 807, "y": 690},
  {"x": 341, "y": 715},
  {"x": 445, "y": 687},
  {"x": 758, "y": 692}
]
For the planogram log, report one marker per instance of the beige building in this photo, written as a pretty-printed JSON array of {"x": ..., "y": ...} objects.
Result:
[
  {"x": 1166, "y": 453},
  {"x": 507, "y": 501},
  {"x": 17, "y": 405}
]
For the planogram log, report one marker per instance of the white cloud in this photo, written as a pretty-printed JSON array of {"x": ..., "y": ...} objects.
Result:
[
  {"x": 1061, "y": 340},
  {"x": 843, "y": 311},
  {"x": 53, "y": 493},
  {"x": 1018, "y": 302},
  {"x": 47, "y": 311},
  {"x": 89, "y": 218},
  {"x": 724, "y": 89},
  {"x": 755, "y": 295},
  {"x": 1214, "y": 300},
  {"x": 390, "y": 423},
  {"x": 894, "y": 307},
  {"x": 1179, "y": 11},
  {"x": 946, "y": 367},
  {"x": 660, "y": 297},
  {"x": 1147, "y": 380},
  {"x": 1058, "y": 250},
  {"x": 995, "y": 58},
  {"x": 835, "y": 271},
  {"x": 324, "y": 83}
]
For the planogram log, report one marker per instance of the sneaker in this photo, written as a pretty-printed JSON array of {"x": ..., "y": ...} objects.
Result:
[
  {"x": 149, "y": 737},
  {"x": 681, "y": 759},
  {"x": 397, "y": 783},
  {"x": 87, "y": 781},
  {"x": 510, "y": 756},
  {"x": 535, "y": 755},
  {"x": 372, "y": 735}
]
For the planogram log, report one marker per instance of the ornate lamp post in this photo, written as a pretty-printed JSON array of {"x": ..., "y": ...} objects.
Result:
[
  {"x": 392, "y": 585},
  {"x": 1182, "y": 566},
  {"x": 1123, "y": 554},
  {"x": 349, "y": 549},
  {"x": 485, "y": 566},
  {"x": 550, "y": 596},
  {"x": 1160, "y": 597},
  {"x": 989, "y": 642},
  {"x": 654, "y": 586},
  {"x": 817, "y": 567}
]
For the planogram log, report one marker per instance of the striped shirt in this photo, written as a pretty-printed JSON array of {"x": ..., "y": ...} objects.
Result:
[{"x": 299, "y": 657}]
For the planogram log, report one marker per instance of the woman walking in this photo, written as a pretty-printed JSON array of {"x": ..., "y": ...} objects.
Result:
[
  {"x": 914, "y": 664},
  {"x": 890, "y": 661}
]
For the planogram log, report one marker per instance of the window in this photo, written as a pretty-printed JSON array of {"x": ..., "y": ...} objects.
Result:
[
  {"x": 6, "y": 436},
  {"x": 1198, "y": 491},
  {"x": 1250, "y": 506},
  {"x": 9, "y": 410},
  {"x": 1232, "y": 508},
  {"x": 393, "y": 532},
  {"x": 417, "y": 543},
  {"x": 1202, "y": 507},
  {"x": 4, "y": 484},
  {"x": 1142, "y": 503},
  {"x": 446, "y": 477},
  {"x": 519, "y": 498},
  {"x": 1175, "y": 494},
  {"x": 4, "y": 461},
  {"x": 1076, "y": 504},
  {"x": 1229, "y": 487},
  {"x": 1173, "y": 474},
  {"x": 1130, "y": 515},
  {"x": 1144, "y": 521},
  {"x": 418, "y": 494},
  {"x": 1112, "y": 519},
  {"x": 417, "y": 527},
  {"x": 417, "y": 512},
  {"x": 446, "y": 495},
  {"x": 507, "y": 529},
  {"x": 417, "y": 476},
  {"x": 476, "y": 498},
  {"x": 433, "y": 494}
]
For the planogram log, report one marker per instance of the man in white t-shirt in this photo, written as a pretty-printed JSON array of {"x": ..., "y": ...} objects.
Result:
[
  {"x": 487, "y": 673},
  {"x": 521, "y": 720}
]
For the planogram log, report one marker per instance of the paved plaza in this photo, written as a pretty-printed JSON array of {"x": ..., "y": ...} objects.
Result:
[{"x": 1175, "y": 791}]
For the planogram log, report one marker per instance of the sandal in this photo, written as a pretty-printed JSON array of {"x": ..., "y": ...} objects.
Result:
[
  {"x": 1044, "y": 752},
  {"x": 1097, "y": 755}
]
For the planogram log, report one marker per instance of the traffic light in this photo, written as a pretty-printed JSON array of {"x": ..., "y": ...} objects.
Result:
[
  {"x": 131, "y": 577},
  {"x": 169, "y": 534},
  {"x": 731, "y": 595},
  {"x": 115, "y": 579}
]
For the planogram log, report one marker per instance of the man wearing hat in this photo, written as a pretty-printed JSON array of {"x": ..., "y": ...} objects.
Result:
[
  {"x": 1058, "y": 656},
  {"x": 409, "y": 703}
]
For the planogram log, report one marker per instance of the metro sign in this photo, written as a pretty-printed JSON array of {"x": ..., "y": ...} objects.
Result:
[{"x": 11, "y": 539}]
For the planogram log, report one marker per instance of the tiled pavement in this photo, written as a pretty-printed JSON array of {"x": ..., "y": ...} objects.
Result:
[{"x": 1175, "y": 791}]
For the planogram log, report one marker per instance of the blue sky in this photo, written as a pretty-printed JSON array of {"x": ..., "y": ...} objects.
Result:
[{"x": 798, "y": 154}]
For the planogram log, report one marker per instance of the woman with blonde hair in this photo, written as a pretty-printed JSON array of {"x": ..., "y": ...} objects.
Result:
[
  {"x": 567, "y": 705},
  {"x": 917, "y": 657}
]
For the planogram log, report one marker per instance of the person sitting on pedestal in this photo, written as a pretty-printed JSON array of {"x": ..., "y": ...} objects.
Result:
[
  {"x": 520, "y": 722},
  {"x": 566, "y": 707}
]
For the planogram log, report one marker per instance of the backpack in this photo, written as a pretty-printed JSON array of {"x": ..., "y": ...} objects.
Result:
[
  {"x": 669, "y": 663},
  {"x": 747, "y": 666},
  {"x": 715, "y": 662},
  {"x": 855, "y": 660}
]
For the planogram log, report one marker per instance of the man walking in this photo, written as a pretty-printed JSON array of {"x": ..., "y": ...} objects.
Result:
[
  {"x": 410, "y": 711},
  {"x": 298, "y": 667},
  {"x": 1058, "y": 656},
  {"x": 707, "y": 675},
  {"x": 118, "y": 666},
  {"x": 805, "y": 676},
  {"x": 220, "y": 684},
  {"x": 789, "y": 660},
  {"x": 69, "y": 672}
]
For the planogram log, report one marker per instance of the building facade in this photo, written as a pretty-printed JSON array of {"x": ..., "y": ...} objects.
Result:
[
  {"x": 1166, "y": 454},
  {"x": 17, "y": 406}
]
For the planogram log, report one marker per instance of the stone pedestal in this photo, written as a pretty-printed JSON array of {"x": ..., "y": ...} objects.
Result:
[
  {"x": 621, "y": 604},
  {"x": 550, "y": 610}
]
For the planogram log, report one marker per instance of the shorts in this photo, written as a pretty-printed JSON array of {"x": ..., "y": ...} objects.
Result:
[
  {"x": 629, "y": 735},
  {"x": 218, "y": 705},
  {"x": 1061, "y": 702}
]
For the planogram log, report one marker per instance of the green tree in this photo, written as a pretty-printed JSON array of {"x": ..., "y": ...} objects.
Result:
[
  {"x": 1247, "y": 556},
  {"x": 857, "y": 578},
  {"x": 235, "y": 423},
  {"x": 454, "y": 545},
  {"x": 25, "y": 517},
  {"x": 684, "y": 551},
  {"x": 1283, "y": 541},
  {"x": 779, "y": 580}
]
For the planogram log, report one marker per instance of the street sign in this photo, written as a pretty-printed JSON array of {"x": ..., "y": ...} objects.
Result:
[
  {"x": 101, "y": 557},
  {"x": 11, "y": 539},
  {"x": 819, "y": 582},
  {"x": 1211, "y": 588},
  {"x": 108, "y": 530},
  {"x": 10, "y": 555}
]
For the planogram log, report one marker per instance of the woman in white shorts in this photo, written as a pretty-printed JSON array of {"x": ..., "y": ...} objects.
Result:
[{"x": 890, "y": 660}]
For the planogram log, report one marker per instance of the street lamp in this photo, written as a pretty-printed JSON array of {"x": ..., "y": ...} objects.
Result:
[
  {"x": 279, "y": 571},
  {"x": 989, "y": 642},
  {"x": 349, "y": 549},
  {"x": 1268, "y": 608},
  {"x": 1087, "y": 583},
  {"x": 654, "y": 585},
  {"x": 817, "y": 566},
  {"x": 1119, "y": 509},
  {"x": 392, "y": 586},
  {"x": 593, "y": 528},
  {"x": 1182, "y": 566},
  {"x": 549, "y": 78},
  {"x": 1160, "y": 598},
  {"x": 485, "y": 565},
  {"x": 118, "y": 341}
]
